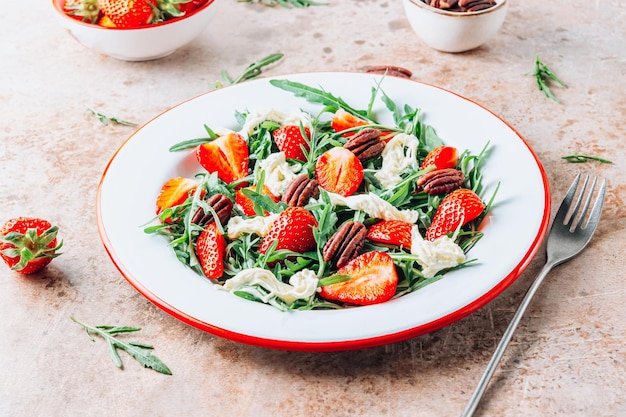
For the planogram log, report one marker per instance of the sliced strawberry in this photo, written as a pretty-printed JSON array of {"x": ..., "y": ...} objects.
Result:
[
  {"x": 28, "y": 244},
  {"x": 338, "y": 170},
  {"x": 391, "y": 232},
  {"x": 441, "y": 157},
  {"x": 289, "y": 140},
  {"x": 373, "y": 280},
  {"x": 342, "y": 120},
  {"x": 458, "y": 208},
  {"x": 174, "y": 192},
  {"x": 246, "y": 205},
  {"x": 226, "y": 155},
  {"x": 210, "y": 250},
  {"x": 293, "y": 229}
]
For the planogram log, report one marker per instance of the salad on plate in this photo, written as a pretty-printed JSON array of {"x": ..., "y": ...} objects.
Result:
[{"x": 328, "y": 210}]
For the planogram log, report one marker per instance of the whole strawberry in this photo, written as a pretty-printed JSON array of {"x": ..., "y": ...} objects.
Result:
[
  {"x": 293, "y": 229},
  {"x": 28, "y": 244},
  {"x": 129, "y": 13},
  {"x": 458, "y": 208}
]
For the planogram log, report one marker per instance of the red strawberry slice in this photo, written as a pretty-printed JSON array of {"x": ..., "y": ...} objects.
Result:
[
  {"x": 174, "y": 192},
  {"x": 374, "y": 280},
  {"x": 129, "y": 13},
  {"x": 289, "y": 140},
  {"x": 391, "y": 232},
  {"x": 210, "y": 250},
  {"x": 441, "y": 157},
  {"x": 458, "y": 208},
  {"x": 246, "y": 205},
  {"x": 342, "y": 120},
  {"x": 338, "y": 170},
  {"x": 28, "y": 244},
  {"x": 226, "y": 155},
  {"x": 293, "y": 229}
]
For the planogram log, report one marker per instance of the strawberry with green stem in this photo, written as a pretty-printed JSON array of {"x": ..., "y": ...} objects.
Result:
[{"x": 28, "y": 244}]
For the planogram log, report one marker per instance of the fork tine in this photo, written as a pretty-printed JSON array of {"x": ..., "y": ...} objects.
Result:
[
  {"x": 567, "y": 202},
  {"x": 594, "y": 218},
  {"x": 582, "y": 223},
  {"x": 574, "y": 212}
]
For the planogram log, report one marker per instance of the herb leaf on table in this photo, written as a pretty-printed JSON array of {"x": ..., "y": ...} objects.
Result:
[
  {"x": 578, "y": 158},
  {"x": 288, "y": 4},
  {"x": 140, "y": 351},
  {"x": 252, "y": 71},
  {"x": 105, "y": 120},
  {"x": 544, "y": 75}
]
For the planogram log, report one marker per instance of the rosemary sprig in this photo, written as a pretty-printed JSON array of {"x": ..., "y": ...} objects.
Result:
[
  {"x": 288, "y": 4},
  {"x": 543, "y": 75},
  {"x": 252, "y": 71},
  {"x": 139, "y": 351},
  {"x": 578, "y": 158},
  {"x": 105, "y": 120}
]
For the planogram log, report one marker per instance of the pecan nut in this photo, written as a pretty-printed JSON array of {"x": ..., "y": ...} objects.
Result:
[
  {"x": 440, "y": 181},
  {"x": 391, "y": 70},
  {"x": 223, "y": 207},
  {"x": 300, "y": 191},
  {"x": 366, "y": 144},
  {"x": 345, "y": 243},
  {"x": 461, "y": 5}
]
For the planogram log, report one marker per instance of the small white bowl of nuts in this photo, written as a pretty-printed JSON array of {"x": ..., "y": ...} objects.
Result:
[{"x": 455, "y": 25}]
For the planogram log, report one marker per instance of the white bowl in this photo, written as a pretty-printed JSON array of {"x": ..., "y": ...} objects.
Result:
[
  {"x": 141, "y": 44},
  {"x": 454, "y": 31}
]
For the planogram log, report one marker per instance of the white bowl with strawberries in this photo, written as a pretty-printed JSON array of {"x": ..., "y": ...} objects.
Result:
[{"x": 134, "y": 30}]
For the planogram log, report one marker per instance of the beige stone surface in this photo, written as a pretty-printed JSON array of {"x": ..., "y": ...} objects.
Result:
[{"x": 568, "y": 358}]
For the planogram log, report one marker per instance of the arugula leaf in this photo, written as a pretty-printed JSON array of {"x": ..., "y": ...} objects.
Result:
[
  {"x": 288, "y": 4},
  {"x": 139, "y": 351},
  {"x": 252, "y": 71},
  {"x": 543, "y": 75},
  {"x": 104, "y": 119},
  {"x": 318, "y": 96},
  {"x": 578, "y": 158}
]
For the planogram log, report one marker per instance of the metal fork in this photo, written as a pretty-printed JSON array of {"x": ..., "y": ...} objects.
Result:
[{"x": 569, "y": 234}]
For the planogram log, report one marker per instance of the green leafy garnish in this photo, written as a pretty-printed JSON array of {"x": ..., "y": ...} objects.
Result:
[
  {"x": 252, "y": 71},
  {"x": 140, "y": 351},
  {"x": 543, "y": 75},
  {"x": 578, "y": 158},
  {"x": 286, "y": 3},
  {"x": 105, "y": 120}
]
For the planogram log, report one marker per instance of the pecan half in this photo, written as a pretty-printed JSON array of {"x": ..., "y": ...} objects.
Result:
[
  {"x": 366, "y": 144},
  {"x": 475, "y": 5},
  {"x": 391, "y": 70},
  {"x": 440, "y": 181},
  {"x": 300, "y": 190},
  {"x": 345, "y": 243},
  {"x": 222, "y": 206}
]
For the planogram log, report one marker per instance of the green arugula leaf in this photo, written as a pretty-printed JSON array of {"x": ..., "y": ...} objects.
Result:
[
  {"x": 288, "y": 4},
  {"x": 105, "y": 120},
  {"x": 252, "y": 71},
  {"x": 543, "y": 75},
  {"x": 139, "y": 351},
  {"x": 578, "y": 158}
]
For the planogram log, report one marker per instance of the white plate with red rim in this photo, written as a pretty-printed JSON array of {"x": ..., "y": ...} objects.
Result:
[{"x": 513, "y": 231}]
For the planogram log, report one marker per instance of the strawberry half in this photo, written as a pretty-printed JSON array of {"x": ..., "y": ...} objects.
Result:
[
  {"x": 289, "y": 140},
  {"x": 458, "y": 208},
  {"x": 129, "y": 13},
  {"x": 28, "y": 244},
  {"x": 441, "y": 157},
  {"x": 391, "y": 232},
  {"x": 342, "y": 120},
  {"x": 373, "y": 280},
  {"x": 174, "y": 192},
  {"x": 210, "y": 250},
  {"x": 226, "y": 155},
  {"x": 338, "y": 170},
  {"x": 293, "y": 229},
  {"x": 246, "y": 205}
]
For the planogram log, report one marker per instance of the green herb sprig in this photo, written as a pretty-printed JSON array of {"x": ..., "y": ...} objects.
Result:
[
  {"x": 139, "y": 351},
  {"x": 543, "y": 75},
  {"x": 105, "y": 120},
  {"x": 578, "y": 158},
  {"x": 252, "y": 71},
  {"x": 288, "y": 4}
]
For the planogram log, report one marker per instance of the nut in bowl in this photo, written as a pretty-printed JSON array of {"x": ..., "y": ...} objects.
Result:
[
  {"x": 131, "y": 35},
  {"x": 448, "y": 27}
]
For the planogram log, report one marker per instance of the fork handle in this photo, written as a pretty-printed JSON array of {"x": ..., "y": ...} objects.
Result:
[{"x": 504, "y": 342}]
